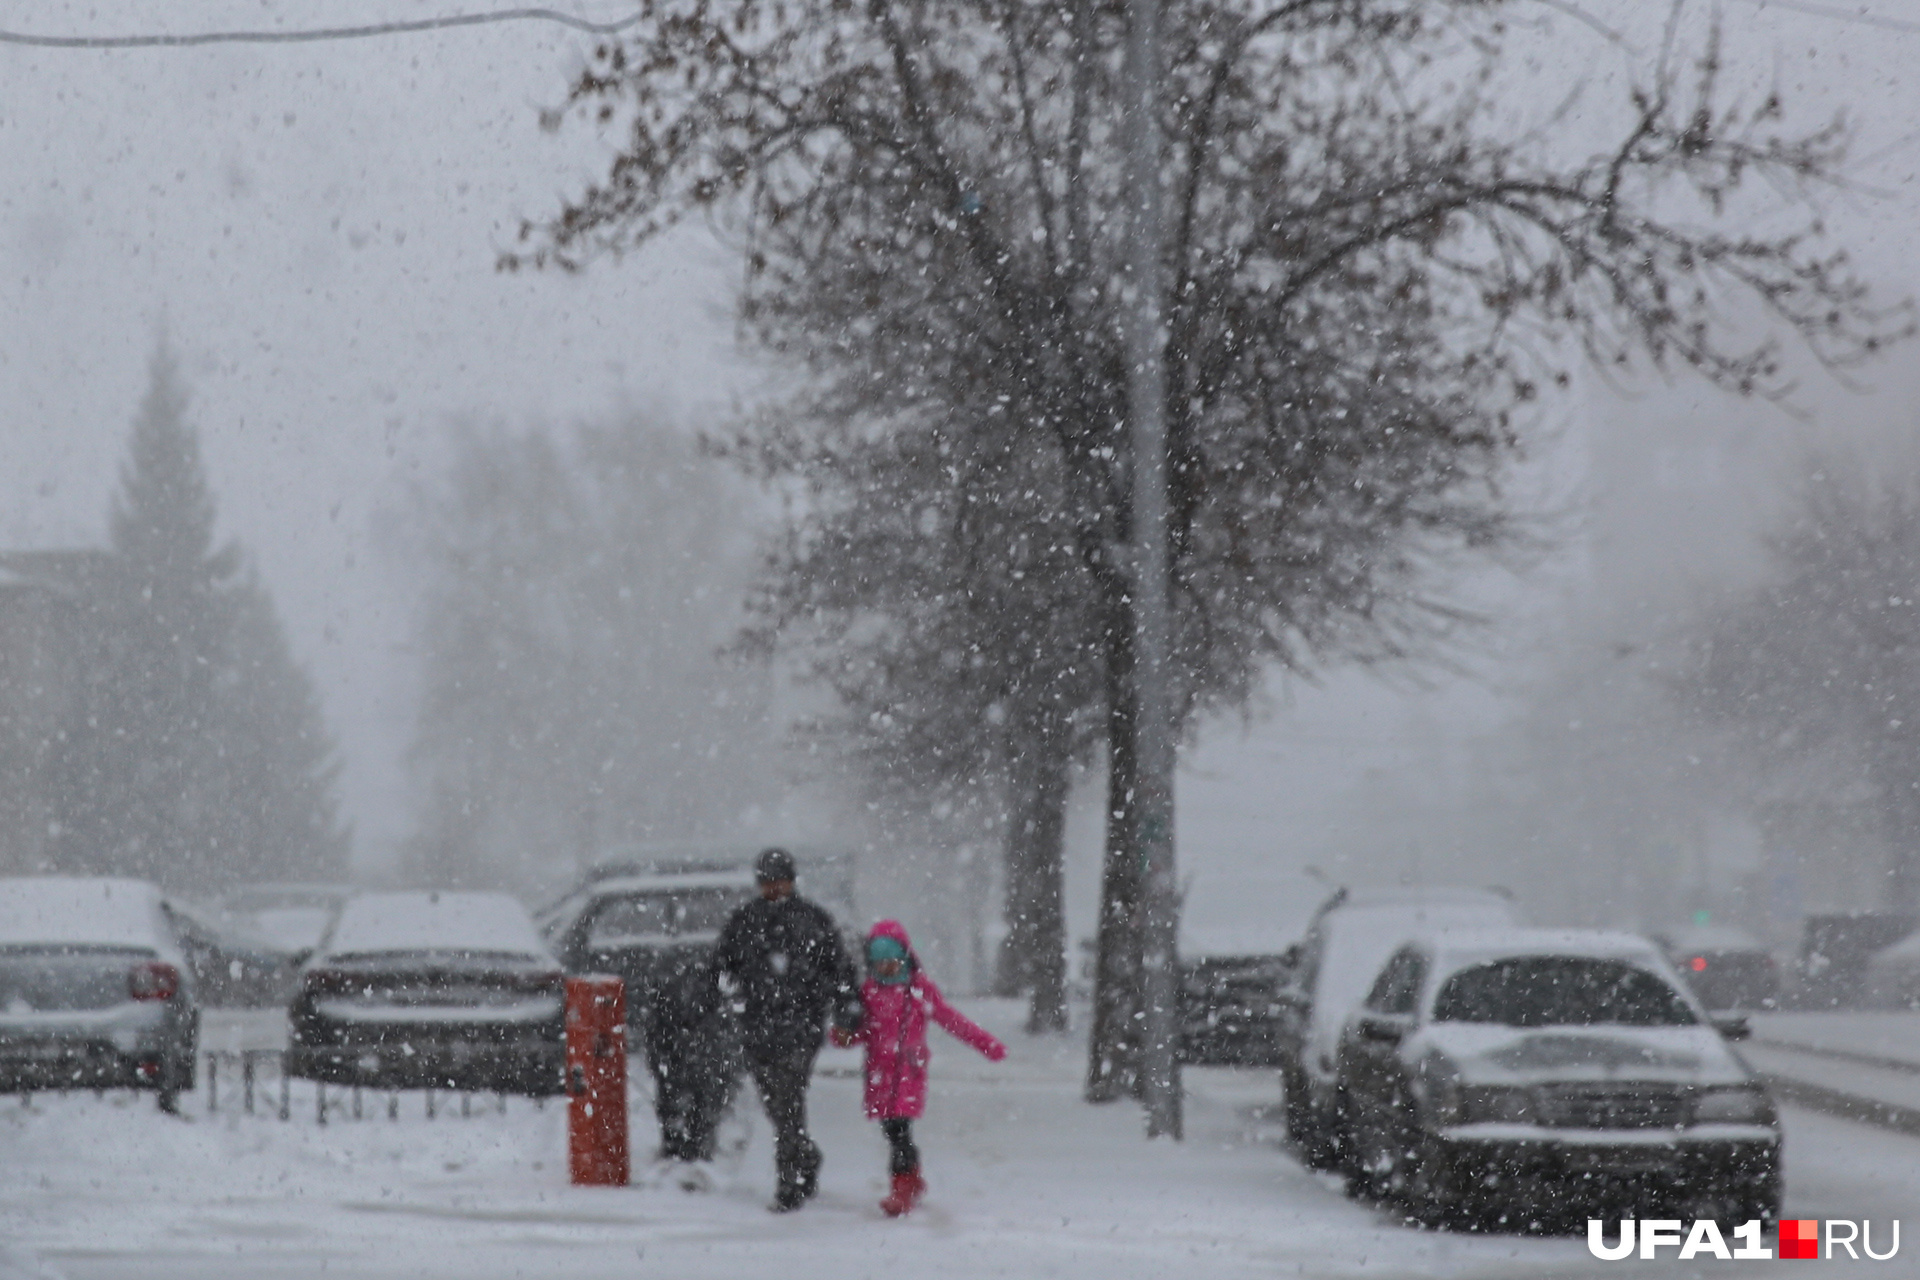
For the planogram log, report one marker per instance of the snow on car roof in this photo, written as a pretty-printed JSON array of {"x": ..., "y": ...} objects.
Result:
[
  {"x": 434, "y": 920},
  {"x": 1419, "y": 896},
  {"x": 1245, "y": 914},
  {"x": 82, "y": 911},
  {"x": 1711, "y": 937},
  {"x": 665, "y": 882},
  {"x": 1457, "y": 948}
]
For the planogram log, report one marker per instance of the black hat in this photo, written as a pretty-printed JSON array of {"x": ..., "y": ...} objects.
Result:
[{"x": 773, "y": 866}]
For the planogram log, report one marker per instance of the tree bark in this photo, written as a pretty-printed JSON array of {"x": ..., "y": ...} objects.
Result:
[
  {"x": 1032, "y": 957},
  {"x": 1113, "y": 1047}
]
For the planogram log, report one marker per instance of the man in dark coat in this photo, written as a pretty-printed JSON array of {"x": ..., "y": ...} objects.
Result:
[{"x": 782, "y": 960}]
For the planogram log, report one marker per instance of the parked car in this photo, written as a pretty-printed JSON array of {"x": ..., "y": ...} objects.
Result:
[
  {"x": 650, "y": 915},
  {"x": 1351, "y": 936},
  {"x": 1893, "y": 976},
  {"x": 231, "y": 968},
  {"x": 432, "y": 990},
  {"x": 647, "y": 928},
  {"x": 1239, "y": 943},
  {"x": 1837, "y": 948},
  {"x": 291, "y": 918},
  {"x": 1726, "y": 968},
  {"x": 1527, "y": 1075},
  {"x": 95, "y": 990}
]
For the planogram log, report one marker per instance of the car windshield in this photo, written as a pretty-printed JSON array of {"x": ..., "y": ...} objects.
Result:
[
  {"x": 651, "y": 916},
  {"x": 1554, "y": 991}
]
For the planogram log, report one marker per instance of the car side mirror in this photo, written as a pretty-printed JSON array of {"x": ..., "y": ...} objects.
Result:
[
  {"x": 1384, "y": 1028},
  {"x": 1734, "y": 1026}
]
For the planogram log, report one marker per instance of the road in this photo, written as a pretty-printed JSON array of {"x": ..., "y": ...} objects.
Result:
[{"x": 1026, "y": 1182}]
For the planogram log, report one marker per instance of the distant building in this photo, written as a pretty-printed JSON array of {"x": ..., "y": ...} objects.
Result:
[{"x": 44, "y": 639}]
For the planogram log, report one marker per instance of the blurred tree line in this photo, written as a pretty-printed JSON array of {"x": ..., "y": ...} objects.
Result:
[
  {"x": 1816, "y": 670},
  {"x": 580, "y": 586},
  {"x": 156, "y": 722}
]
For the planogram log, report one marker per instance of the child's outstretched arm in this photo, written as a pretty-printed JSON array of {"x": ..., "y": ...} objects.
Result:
[{"x": 958, "y": 1025}]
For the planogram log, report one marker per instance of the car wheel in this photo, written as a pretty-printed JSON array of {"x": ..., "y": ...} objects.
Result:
[
  {"x": 1428, "y": 1191},
  {"x": 1299, "y": 1109}
]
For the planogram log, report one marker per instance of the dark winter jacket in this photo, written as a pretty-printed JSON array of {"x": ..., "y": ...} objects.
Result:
[
  {"x": 789, "y": 970},
  {"x": 686, "y": 1021}
]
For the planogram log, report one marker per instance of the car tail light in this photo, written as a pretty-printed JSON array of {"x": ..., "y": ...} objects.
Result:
[
  {"x": 1698, "y": 964},
  {"x": 154, "y": 980}
]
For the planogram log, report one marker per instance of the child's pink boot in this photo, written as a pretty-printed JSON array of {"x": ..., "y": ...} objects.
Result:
[{"x": 907, "y": 1190}]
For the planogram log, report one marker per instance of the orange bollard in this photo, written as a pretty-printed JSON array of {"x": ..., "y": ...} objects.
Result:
[{"x": 597, "y": 1081}]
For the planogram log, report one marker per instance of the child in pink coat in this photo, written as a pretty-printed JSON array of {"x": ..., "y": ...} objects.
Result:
[{"x": 897, "y": 1000}]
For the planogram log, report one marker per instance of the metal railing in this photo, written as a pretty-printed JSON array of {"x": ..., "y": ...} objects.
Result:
[{"x": 265, "y": 1087}]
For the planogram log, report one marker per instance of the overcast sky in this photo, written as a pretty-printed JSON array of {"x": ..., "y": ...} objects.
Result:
[{"x": 317, "y": 225}]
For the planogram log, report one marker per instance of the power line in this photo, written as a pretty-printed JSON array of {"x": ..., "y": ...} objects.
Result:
[
  {"x": 1859, "y": 16},
  {"x": 317, "y": 34}
]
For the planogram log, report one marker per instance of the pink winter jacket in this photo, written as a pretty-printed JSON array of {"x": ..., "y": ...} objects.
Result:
[{"x": 894, "y": 1030}]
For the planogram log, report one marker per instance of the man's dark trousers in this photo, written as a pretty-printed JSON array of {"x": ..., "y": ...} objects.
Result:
[{"x": 781, "y": 1073}]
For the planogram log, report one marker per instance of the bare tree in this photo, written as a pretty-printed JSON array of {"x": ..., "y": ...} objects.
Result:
[
  {"x": 1823, "y": 658},
  {"x": 1366, "y": 260}
]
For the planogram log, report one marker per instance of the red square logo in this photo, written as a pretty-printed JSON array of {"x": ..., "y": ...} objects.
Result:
[{"x": 1799, "y": 1237}]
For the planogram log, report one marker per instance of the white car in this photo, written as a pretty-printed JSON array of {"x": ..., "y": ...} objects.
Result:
[
  {"x": 1893, "y": 976},
  {"x": 95, "y": 991},
  {"x": 1528, "y": 1075},
  {"x": 1350, "y": 938}
]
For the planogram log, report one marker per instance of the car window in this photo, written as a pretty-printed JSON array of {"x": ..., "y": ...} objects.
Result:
[
  {"x": 1398, "y": 987},
  {"x": 1551, "y": 991},
  {"x": 649, "y": 918}
]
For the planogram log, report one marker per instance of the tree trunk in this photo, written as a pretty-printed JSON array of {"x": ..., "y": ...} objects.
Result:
[
  {"x": 1114, "y": 1043},
  {"x": 1012, "y": 970},
  {"x": 1032, "y": 958},
  {"x": 1046, "y": 847}
]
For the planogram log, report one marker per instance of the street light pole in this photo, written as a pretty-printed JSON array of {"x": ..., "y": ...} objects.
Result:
[{"x": 1153, "y": 724}]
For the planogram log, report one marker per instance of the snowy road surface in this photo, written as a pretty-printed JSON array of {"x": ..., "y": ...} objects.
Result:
[{"x": 1026, "y": 1182}]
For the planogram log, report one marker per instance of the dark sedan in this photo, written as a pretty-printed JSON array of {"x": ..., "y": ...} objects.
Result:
[{"x": 432, "y": 990}]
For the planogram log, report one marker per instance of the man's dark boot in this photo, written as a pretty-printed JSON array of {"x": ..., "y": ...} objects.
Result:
[{"x": 809, "y": 1171}]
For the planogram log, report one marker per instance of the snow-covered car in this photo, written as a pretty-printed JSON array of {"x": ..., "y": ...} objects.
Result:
[
  {"x": 291, "y": 918},
  {"x": 1727, "y": 968},
  {"x": 1893, "y": 976},
  {"x": 432, "y": 989},
  {"x": 95, "y": 991},
  {"x": 647, "y": 927},
  {"x": 231, "y": 967},
  {"x": 1351, "y": 936},
  {"x": 1523, "y": 1074},
  {"x": 1239, "y": 944}
]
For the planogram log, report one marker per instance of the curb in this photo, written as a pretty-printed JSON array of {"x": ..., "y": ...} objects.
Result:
[{"x": 1847, "y": 1106}]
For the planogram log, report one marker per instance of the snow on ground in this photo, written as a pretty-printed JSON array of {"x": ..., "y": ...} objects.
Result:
[
  {"x": 1027, "y": 1181},
  {"x": 1877, "y": 1033}
]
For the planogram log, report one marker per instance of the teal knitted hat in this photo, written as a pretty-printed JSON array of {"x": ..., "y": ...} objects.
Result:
[{"x": 883, "y": 949}]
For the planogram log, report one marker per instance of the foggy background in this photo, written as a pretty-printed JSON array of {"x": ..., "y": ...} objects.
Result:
[{"x": 314, "y": 230}]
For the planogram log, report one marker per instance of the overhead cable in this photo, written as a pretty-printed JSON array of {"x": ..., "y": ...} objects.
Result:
[{"x": 317, "y": 34}]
